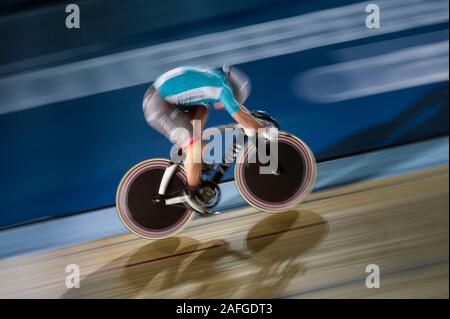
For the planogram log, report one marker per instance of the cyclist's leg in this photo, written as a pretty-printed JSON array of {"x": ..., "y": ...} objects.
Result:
[
  {"x": 174, "y": 123},
  {"x": 193, "y": 162},
  {"x": 168, "y": 119}
]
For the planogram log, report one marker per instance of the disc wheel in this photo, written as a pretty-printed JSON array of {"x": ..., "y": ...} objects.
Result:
[
  {"x": 287, "y": 186},
  {"x": 136, "y": 206}
]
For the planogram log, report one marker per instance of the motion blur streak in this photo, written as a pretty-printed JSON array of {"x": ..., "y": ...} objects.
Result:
[
  {"x": 384, "y": 73},
  {"x": 260, "y": 41},
  {"x": 319, "y": 250}
]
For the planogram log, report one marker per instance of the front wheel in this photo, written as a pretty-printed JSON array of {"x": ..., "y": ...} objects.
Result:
[
  {"x": 287, "y": 185},
  {"x": 136, "y": 206}
]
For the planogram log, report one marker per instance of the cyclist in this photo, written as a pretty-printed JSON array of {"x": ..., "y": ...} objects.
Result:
[{"x": 182, "y": 95}]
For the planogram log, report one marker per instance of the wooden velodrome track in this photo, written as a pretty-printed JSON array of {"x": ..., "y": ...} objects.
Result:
[{"x": 319, "y": 250}]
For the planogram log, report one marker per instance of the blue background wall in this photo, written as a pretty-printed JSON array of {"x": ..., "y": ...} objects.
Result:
[{"x": 69, "y": 157}]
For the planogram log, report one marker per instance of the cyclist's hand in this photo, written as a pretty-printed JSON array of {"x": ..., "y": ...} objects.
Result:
[{"x": 218, "y": 105}]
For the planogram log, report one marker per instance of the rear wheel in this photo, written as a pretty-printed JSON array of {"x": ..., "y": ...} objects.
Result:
[
  {"x": 285, "y": 187},
  {"x": 136, "y": 206}
]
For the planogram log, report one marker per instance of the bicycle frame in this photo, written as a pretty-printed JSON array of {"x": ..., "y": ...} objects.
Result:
[
  {"x": 158, "y": 187},
  {"x": 219, "y": 172}
]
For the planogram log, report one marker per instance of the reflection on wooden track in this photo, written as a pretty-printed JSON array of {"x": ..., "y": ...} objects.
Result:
[{"x": 320, "y": 250}]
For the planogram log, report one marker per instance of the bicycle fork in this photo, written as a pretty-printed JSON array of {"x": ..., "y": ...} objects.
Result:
[{"x": 161, "y": 197}]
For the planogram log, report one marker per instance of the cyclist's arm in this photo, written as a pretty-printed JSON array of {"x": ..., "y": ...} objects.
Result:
[
  {"x": 238, "y": 113},
  {"x": 246, "y": 120}
]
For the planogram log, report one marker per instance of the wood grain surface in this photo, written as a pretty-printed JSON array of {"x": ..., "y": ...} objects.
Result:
[{"x": 319, "y": 250}]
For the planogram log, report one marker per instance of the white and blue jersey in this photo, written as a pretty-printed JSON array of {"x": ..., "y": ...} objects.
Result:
[
  {"x": 189, "y": 85},
  {"x": 167, "y": 98}
]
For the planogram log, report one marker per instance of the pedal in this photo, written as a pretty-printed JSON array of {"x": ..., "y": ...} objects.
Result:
[
  {"x": 207, "y": 167},
  {"x": 209, "y": 194},
  {"x": 195, "y": 206}
]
